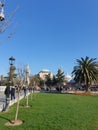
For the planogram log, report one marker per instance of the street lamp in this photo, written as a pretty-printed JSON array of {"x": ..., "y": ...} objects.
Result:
[
  {"x": 2, "y": 17},
  {"x": 12, "y": 68},
  {"x": 11, "y": 60}
]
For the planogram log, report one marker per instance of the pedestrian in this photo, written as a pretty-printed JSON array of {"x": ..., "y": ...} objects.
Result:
[
  {"x": 7, "y": 95},
  {"x": 7, "y": 91},
  {"x": 25, "y": 91},
  {"x": 12, "y": 93},
  {"x": 30, "y": 89}
]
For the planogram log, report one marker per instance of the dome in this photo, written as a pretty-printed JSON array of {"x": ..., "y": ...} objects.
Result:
[
  {"x": 45, "y": 71},
  {"x": 68, "y": 76}
]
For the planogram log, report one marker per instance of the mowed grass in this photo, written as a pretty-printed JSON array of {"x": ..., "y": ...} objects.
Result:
[{"x": 55, "y": 112}]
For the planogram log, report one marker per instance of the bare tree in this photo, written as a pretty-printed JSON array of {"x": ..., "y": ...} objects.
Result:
[
  {"x": 6, "y": 21},
  {"x": 20, "y": 80}
]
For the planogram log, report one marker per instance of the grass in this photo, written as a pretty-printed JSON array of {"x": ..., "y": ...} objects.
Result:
[{"x": 55, "y": 112}]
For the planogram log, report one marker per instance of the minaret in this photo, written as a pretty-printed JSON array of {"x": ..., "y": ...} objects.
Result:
[{"x": 27, "y": 74}]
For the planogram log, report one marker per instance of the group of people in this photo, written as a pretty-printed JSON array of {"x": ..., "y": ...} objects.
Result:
[{"x": 10, "y": 91}]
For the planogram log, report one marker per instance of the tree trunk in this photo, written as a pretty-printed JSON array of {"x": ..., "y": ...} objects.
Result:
[
  {"x": 17, "y": 107},
  {"x": 87, "y": 86},
  {"x": 27, "y": 98}
]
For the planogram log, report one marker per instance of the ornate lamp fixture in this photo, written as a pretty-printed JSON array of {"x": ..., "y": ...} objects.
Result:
[
  {"x": 2, "y": 17},
  {"x": 11, "y": 60}
]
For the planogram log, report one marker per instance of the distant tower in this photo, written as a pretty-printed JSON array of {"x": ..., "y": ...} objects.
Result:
[{"x": 27, "y": 75}]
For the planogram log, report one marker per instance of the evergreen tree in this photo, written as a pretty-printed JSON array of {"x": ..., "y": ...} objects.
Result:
[
  {"x": 59, "y": 79},
  {"x": 48, "y": 81}
]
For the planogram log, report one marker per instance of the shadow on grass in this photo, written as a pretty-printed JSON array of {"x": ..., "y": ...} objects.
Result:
[
  {"x": 5, "y": 118},
  {"x": 12, "y": 122},
  {"x": 24, "y": 106},
  {"x": 57, "y": 92}
]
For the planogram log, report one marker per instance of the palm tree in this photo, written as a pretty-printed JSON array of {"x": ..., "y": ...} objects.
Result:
[{"x": 85, "y": 71}]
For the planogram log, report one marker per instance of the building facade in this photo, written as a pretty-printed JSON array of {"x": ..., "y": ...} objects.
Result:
[{"x": 44, "y": 73}]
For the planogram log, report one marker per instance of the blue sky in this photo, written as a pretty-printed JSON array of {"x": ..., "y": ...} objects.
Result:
[{"x": 49, "y": 34}]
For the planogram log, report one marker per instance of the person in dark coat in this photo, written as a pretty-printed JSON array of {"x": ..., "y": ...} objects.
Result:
[
  {"x": 7, "y": 95},
  {"x": 7, "y": 91},
  {"x": 25, "y": 91},
  {"x": 12, "y": 93}
]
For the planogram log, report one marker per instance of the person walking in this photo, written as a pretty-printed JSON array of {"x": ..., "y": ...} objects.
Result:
[
  {"x": 25, "y": 91},
  {"x": 12, "y": 93},
  {"x": 7, "y": 95},
  {"x": 7, "y": 91}
]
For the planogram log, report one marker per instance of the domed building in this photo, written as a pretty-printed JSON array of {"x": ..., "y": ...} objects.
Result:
[
  {"x": 44, "y": 73},
  {"x": 68, "y": 77}
]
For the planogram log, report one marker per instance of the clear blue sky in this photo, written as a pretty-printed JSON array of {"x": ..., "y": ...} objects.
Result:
[{"x": 50, "y": 34}]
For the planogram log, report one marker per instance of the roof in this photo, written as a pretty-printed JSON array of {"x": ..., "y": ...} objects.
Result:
[
  {"x": 44, "y": 71},
  {"x": 68, "y": 76}
]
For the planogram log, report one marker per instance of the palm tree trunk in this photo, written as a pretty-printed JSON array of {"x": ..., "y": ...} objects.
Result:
[{"x": 87, "y": 86}]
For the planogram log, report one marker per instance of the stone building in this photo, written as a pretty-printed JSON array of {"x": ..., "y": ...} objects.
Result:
[{"x": 43, "y": 73}]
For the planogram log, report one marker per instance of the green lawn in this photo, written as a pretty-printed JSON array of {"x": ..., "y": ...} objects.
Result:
[{"x": 55, "y": 112}]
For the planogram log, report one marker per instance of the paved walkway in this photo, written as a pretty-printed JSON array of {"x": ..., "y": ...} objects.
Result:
[
  {"x": 2, "y": 100},
  {"x": 11, "y": 102}
]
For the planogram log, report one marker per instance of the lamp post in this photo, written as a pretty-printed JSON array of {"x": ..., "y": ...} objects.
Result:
[
  {"x": 2, "y": 17},
  {"x": 11, "y": 74},
  {"x": 11, "y": 60},
  {"x": 12, "y": 68}
]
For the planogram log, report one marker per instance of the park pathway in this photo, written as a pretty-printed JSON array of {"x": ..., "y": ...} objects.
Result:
[{"x": 11, "y": 102}]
